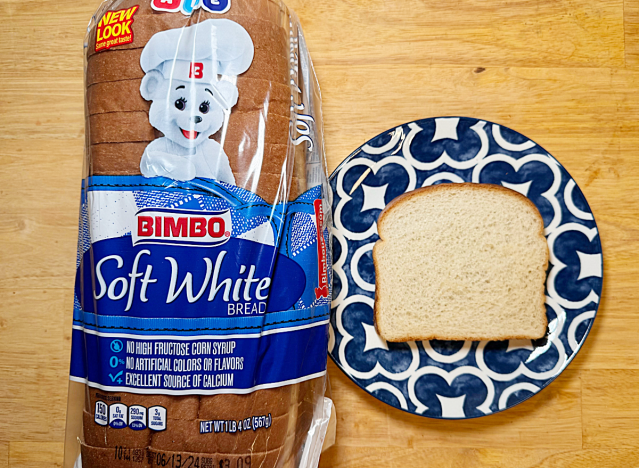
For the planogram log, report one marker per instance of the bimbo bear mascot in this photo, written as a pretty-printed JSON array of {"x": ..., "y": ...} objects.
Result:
[{"x": 189, "y": 76}]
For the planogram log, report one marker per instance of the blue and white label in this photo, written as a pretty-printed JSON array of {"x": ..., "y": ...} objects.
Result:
[
  {"x": 101, "y": 413},
  {"x": 197, "y": 288},
  {"x": 137, "y": 417},
  {"x": 118, "y": 416},
  {"x": 157, "y": 418}
]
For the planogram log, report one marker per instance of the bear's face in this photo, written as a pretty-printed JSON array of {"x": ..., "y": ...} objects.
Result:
[{"x": 187, "y": 113}]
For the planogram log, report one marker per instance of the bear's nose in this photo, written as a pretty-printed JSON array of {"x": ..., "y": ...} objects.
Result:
[{"x": 197, "y": 119}]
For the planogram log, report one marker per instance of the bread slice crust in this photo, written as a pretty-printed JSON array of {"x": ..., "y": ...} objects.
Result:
[{"x": 396, "y": 202}]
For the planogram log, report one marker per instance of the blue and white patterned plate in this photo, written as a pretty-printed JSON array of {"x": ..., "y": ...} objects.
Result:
[{"x": 457, "y": 379}]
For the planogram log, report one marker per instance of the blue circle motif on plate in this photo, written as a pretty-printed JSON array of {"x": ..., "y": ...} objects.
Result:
[{"x": 458, "y": 379}]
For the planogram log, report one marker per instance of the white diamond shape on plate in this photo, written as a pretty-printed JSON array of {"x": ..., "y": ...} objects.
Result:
[
  {"x": 446, "y": 129},
  {"x": 590, "y": 265},
  {"x": 374, "y": 197},
  {"x": 452, "y": 407},
  {"x": 373, "y": 340}
]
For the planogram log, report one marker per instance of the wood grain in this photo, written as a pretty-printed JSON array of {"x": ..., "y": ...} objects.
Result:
[
  {"x": 42, "y": 110},
  {"x": 631, "y": 30},
  {"x": 28, "y": 166},
  {"x": 614, "y": 394},
  {"x": 563, "y": 72},
  {"x": 4, "y": 454},
  {"x": 393, "y": 457},
  {"x": 547, "y": 105},
  {"x": 35, "y": 455},
  {"x": 533, "y": 424},
  {"x": 32, "y": 262},
  {"x": 531, "y": 33},
  {"x": 35, "y": 339}
]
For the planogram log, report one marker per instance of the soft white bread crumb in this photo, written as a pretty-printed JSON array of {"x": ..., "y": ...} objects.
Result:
[{"x": 460, "y": 262}]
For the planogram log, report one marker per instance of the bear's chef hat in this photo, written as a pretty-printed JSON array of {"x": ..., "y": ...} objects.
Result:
[{"x": 199, "y": 52}]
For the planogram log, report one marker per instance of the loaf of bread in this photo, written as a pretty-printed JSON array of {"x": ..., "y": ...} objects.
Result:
[
  {"x": 119, "y": 128},
  {"x": 460, "y": 262},
  {"x": 188, "y": 100}
]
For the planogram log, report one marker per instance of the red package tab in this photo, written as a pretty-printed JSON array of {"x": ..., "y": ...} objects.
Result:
[{"x": 322, "y": 274}]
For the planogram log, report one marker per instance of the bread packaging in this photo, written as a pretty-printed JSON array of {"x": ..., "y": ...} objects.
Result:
[{"x": 200, "y": 320}]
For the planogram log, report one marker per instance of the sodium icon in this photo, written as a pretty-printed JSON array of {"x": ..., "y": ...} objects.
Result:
[{"x": 137, "y": 417}]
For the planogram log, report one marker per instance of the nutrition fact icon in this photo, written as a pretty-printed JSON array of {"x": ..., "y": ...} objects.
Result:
[
  {"x": 157, "y": 418},
  {"x": 137, "y": 417},
  {"x": 101, "y": 413},
  {"x": 118, "y": 416}
]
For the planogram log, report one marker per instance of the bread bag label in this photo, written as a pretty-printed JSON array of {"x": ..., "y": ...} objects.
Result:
[{"x": 197, "y": 299}]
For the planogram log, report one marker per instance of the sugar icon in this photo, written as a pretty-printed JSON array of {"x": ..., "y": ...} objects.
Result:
[{"x": 157, "y": 418}]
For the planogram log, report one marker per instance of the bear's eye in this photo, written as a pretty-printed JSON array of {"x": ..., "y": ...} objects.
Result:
[
  {"x": 204, "y": 107},
  {"x": 180, "y": 104}
]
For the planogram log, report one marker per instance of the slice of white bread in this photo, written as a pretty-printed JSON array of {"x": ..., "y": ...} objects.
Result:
[{"x": 460, "y": 262}]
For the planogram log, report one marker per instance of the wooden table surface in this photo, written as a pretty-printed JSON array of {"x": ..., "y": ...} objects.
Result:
[{"x": 563, "y": 72}]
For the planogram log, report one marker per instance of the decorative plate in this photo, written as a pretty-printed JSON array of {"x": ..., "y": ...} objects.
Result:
[{"x": 458, "y": 379}]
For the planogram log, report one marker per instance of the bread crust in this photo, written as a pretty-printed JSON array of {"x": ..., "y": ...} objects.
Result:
[
  {"x": 290, "y": 406},
  {"x": 114, "y": 457},
  {"x": 185, "y": 436},
  {"x": 124, "y": 158},
  {"x": 453, "y": 187},
  {"x": 134, "y": 457},
  {"x": 124, "y": 96},
  {"x": 96, "y": 435},
  {"x": 131, "y": 127},
  {"x": 124, "y": 64},
  {"x": 270, "y": 459}
]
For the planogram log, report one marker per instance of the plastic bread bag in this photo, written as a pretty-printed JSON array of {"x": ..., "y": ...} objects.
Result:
[{"x": 200, "y": 321}]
